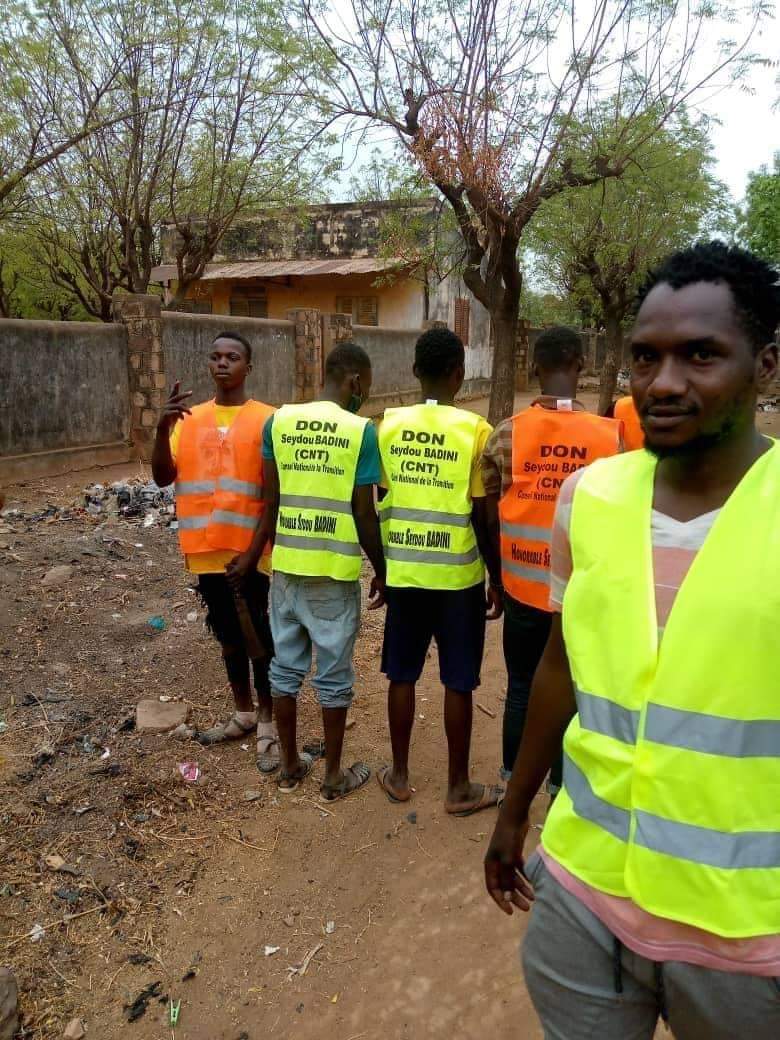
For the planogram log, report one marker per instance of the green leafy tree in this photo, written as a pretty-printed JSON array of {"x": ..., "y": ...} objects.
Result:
[
  {"x": 487, "y": 96},
  {"x": 596, "y": 244},
  {"x": 759, "y": 218}
]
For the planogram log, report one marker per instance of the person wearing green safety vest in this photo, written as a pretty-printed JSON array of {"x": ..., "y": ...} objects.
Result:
[
  {"x": 434, "y": 525},
  {"x": 656, "y": 886},
  {"x": 321, "y": 463}
]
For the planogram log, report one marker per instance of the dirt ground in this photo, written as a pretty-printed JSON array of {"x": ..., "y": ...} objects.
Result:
[{"x": 182, "y": 888}]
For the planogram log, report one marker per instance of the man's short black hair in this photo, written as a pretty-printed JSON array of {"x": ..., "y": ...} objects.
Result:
[
  {"x": 346, "y": 359},
  {"x": 438, "y": 352},
  {"x": 237, "y": 338},
  {"x": 754, "y": 284},
  {"x": 558, "y": 348}
]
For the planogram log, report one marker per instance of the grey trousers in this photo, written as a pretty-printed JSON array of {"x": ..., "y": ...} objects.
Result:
[{"x": 575, "y": 969}]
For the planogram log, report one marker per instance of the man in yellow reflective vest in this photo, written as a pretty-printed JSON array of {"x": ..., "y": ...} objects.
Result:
[
  {"x": 656, "y": 886},
  {"x": 321, "y": 464},
  {"x": 433, "y": 526},
  {"x": 212, "y": 451}
]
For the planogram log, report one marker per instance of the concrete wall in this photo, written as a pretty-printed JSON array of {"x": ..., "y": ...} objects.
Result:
[
  {"x": 187, "y": 338},
  {"x": 479, "y": 358},
  {"x": 63, "y": 388},
  {"x": 392, "y": 357}
]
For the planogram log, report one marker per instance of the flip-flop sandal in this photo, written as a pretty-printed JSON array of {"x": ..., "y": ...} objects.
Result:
[
  {"x": 491, "y": 795},
  {"x": 294, "y": 782},
  {"x": 361, "y": 774},
  {"x": 233, "y": 729},
  {"x": 267, "y": 760},
  {"x": 381, "y": 779}
]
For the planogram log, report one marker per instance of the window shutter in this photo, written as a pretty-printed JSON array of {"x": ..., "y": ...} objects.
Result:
[
  {"x": 367, "y": 311},
  {"x": 462, "y": 316},
  {"x": 344, "y": 305}
]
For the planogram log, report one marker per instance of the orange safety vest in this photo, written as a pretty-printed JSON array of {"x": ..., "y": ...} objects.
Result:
[
  {"x": 547, "y": 445},
  {"x": 633, "y": 434},
  {"x": 219, "y": 478}
]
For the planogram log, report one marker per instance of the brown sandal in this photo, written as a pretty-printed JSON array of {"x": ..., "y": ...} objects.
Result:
[{"x": 491, "y": 795}]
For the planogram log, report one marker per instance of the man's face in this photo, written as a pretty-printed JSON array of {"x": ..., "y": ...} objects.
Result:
[
  {"x": 694, "y": 373},
  {"x": 228, "y": 364}
]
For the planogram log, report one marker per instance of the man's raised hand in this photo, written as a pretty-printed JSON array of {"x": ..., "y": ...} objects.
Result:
[{"x": 174, "y": 408}]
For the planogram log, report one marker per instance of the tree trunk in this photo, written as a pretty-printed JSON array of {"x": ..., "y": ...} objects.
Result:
[
  {"x": 503, "y": 327},
  {"x": 613, "y": 360}
]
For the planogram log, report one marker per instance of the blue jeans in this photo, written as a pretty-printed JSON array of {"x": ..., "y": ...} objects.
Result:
[{"x": 319, "y": 613}]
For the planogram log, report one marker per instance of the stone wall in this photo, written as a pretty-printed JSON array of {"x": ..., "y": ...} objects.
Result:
[
  {"x": 186, "y": 339},
  {"x": 64, "y": 396}
]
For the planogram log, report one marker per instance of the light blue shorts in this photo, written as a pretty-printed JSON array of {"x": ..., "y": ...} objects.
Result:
[{"x": 318, "y": 613}]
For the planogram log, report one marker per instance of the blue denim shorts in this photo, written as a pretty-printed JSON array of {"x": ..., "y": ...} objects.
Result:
[{"x": 319, "y": 614}]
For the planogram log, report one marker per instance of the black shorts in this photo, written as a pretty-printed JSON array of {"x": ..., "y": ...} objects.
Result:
[
  {"x": 454, "y": 618},
  {"x": 222, "y": 617}
]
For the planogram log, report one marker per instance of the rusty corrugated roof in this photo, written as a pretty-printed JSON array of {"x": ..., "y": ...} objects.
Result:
[{"x": 279, "y": 268}]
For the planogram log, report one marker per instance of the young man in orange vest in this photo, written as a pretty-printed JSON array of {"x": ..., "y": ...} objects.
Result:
[
  {"x": 213, "y": 452},
  {"x": 625, "y": 411},
  {"x": 524, "y": 464}
]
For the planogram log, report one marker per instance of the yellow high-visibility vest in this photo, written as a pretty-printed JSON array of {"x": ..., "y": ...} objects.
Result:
[
  {"x": 427, "y": 452},
  {"x": 671, "y": 791},
  {"x": 316, "y": 448}
]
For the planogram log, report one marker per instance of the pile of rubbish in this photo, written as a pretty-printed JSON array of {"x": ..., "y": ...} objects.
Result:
[
  {"x": 770, "y": 404},
  {"x": 133, "y": 500}
]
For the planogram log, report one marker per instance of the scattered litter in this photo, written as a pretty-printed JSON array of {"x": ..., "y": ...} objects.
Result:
[
  {"x": 141, "y": 1002},
  {"x": 192, "y": 616},
  {"x": 55, "y": 862},
  {"x": 252, "y": 795},
  {"x": 772, "y": 404},
  {"x": 190, "y": 771},
  {"x": 132, "y": 500},
  {"x": 83, "y": 809},
  {"x": 3, "y": 725},
  {"x": 303, "y": 967},
  {"x": 330, "y": 927},
  {"x": 412, "y": 817},
  {"x": 68, "y": 895},
  {"x": 157, "y": 623},
  {"x": 74, "y": 1030},
  {"x": 269, "y": 951},
  {"x": 244, "y": 747},
  {"x": 421, "y": 717},
  {"x": 37, "y": 932},
  {"x": 106, "y": 753},
  {"x": 164, "y": 699},
  {"x": 174, "y": 1013},
  {"x": 183, "y": 732}
]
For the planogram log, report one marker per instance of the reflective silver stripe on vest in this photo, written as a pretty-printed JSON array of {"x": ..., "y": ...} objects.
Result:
[
  {"x": 451, "y": 559},
  {"x": 195, "y": 487},
  {"x": 604, "y": 716},
  {"x": 589, "y": 806},
  {"x": 531, "y": 531},
  {"x": 712, "y": 734},
  {"x": 331, "y": 505},
  {"x": 424, "y": 516},
  {"x": 291, "y": 541},
  {"x": 192, "y": 523},
  {"x": 537, "y": 574},
  {"x": 227, "y": 516},
  {"x": 743, "y": 850},
  {"x": 241, "y": 487}
]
